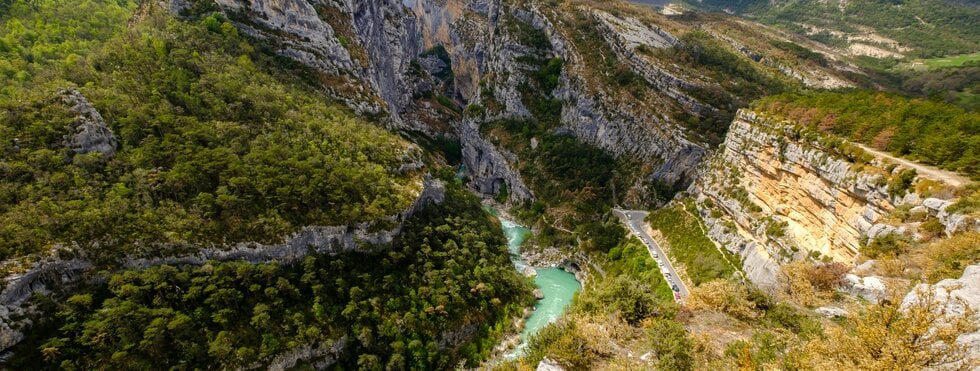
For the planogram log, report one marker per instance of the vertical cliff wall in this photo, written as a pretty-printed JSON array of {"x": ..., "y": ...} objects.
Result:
[{"x": 775, "y": 192}]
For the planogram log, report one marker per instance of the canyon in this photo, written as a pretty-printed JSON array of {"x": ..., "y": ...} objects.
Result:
[{"x": 770, "y": 191}]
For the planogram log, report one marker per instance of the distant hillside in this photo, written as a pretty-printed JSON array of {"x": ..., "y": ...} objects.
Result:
[{"x": 877, "y": 28}]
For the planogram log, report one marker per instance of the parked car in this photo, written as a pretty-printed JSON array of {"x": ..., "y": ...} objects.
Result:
[{"x": 676, "y": 289}]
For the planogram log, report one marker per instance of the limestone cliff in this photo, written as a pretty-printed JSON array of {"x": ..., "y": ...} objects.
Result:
[
  {"x": 370, "y": 53},
  {"x": 775, "y": 193}
]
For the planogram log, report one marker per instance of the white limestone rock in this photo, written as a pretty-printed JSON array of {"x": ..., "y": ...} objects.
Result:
[
  {"x": 961, "y": 295},
  {"x": 547, "y": 364},
  {"x": 832, "y": 312}
]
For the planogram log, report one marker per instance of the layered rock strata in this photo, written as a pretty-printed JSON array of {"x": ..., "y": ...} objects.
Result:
[{"x": 774, "y": 194}]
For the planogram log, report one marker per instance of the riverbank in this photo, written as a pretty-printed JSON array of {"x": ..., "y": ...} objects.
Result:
[{"x": 556, "y": 286}]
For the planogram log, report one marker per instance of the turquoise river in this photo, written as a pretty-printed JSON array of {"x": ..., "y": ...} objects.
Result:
[{"x": 557, "y": 285}]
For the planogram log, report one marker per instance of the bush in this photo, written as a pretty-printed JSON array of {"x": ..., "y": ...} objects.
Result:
[
  {"x": 900, "y": 183},
  {"x": 724, "y": 296},
  {"x": 631, "y": 299},
  {"x": 887, "y": 245}
]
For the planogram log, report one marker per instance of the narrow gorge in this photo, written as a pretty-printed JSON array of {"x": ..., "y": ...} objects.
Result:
[{"x": 307, "y": 184}]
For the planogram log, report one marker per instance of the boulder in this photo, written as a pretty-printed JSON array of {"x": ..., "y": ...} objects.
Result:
[
  {"x": 869, "y": 288},
  {"x": 935, "y": 205},
  {"x": 548, "y": 364},
  {"x": 831, "y": 312}
]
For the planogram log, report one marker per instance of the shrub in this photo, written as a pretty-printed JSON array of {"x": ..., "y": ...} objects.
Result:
[
  {"x": 887, "y": 245},
  {"x": 723, "y": 296},
  {"x": 900, "y": 183}
]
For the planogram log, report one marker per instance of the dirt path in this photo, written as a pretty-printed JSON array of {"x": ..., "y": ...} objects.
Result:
[{"x": 945, "y": 176}]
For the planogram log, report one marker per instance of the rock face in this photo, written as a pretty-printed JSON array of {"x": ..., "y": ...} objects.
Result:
[
  {"x": 488, "y": 166},
  {"x": 320, "y": 357},
  {"x": 89, "y": 132},
  {"x": 371, "y": 47},
  {"x": 774, "y": 194},
  {"x": 622, "y": 128},
  {"x": 961, "y": 295}
]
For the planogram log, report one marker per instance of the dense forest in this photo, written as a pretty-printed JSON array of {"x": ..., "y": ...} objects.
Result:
[
  {"x": 443, "y": 293},
  {"x": 932, "y": 132},
  {"x": 217, "y": 141}
]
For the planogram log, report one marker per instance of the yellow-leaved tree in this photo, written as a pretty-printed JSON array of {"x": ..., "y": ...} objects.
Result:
[{"x": 891, "y": 335}]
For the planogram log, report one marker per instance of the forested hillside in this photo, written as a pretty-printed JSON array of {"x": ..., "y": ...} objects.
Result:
[
  {"x": 442, "y": 294},
  {"x": 923, "y": 130},
  {"x": 217, "y": 141}
]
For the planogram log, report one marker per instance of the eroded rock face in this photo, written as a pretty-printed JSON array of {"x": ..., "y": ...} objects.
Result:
[
  {"x": 489, "y": 167},
  {"x": 89, "y": 132}
]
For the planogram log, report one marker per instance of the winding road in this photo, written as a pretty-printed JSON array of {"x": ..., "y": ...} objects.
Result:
[{"x": 634, "y": 219}]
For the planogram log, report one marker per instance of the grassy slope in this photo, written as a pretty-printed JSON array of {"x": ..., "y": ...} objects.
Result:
[{"x": 688, "y": 244}]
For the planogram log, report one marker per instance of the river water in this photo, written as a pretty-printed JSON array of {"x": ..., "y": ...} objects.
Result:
[{"x": 557, "y": 285}]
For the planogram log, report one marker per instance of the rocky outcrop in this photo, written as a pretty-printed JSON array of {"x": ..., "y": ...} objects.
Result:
[
  {"x": 489, "y": 167},
  {"x": 89, "y": 131},
  {"x": 300, "y": 32},
  {"x": 319, "y": 357},
  {"x": 625, "y": 35},
  {"x": 547, "y": 364},
  {"x": 960, "y": 295},
  {"x": 774, "y": 194}
]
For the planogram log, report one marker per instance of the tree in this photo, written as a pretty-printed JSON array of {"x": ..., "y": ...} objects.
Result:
[{"x": 671, "y": 344}]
